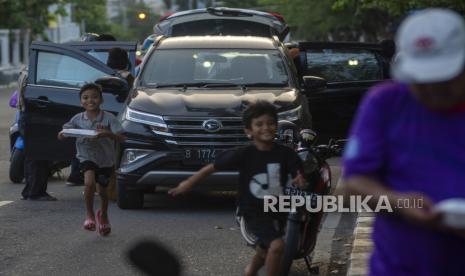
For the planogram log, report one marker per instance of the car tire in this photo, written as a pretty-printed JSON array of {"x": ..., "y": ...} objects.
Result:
[
  {"x": 16, "y": 172},
  {"x": 129, "y": 199},
  {"x": 248, "y": 236}
]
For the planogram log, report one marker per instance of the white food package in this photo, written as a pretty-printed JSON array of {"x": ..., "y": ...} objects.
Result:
[
  {"x": 75, "y": 132},
  {"x": 453, "y": 212}
]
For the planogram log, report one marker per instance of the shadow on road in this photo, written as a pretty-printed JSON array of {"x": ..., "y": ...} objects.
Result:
[{"x": 192, "y": 202}]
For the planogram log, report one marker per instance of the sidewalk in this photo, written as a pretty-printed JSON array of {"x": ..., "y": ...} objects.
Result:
[{"x": 361, "y": 247}]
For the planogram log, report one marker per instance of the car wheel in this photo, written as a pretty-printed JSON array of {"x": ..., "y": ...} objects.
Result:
[
  {"x": 129, "y": 199},
  {"x": 17, "y": 166},
  {"x": 248, "y": 236}
]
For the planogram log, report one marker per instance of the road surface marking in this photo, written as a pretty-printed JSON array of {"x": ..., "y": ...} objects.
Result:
[{"x": 3, "y": 203}]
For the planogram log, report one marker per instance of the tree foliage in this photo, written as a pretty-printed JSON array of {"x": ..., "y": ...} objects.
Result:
[
  {"x": 308, "y": 19},
  {"x": 31, "y": 14},
  {"x": 318, "y": 20},
  {"x": 239, "y": 3},
  {"x": 130, "y": 27},
  {"x": 399, "y": 8},
  {"x": 35, "y": 15},
  {"x": 92, "y": 15}
]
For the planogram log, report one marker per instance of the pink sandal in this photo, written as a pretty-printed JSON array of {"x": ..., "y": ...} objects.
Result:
[
  {"x": 103, "y": 228},
  {"x": 89, "y": 224}
]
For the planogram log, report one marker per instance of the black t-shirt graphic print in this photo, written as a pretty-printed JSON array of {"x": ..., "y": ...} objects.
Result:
[{"x": 260, "y": 172}]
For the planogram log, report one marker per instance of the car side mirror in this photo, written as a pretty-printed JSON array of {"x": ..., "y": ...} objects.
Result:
[
  {"x": 314, "y": 84},
  {"x": 113, "y": 85}
]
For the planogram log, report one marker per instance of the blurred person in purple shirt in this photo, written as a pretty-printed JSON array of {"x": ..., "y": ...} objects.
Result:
[{"x": 408, "y": 143}]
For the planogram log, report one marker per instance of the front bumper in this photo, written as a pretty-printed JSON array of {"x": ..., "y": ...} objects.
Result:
[{"x": 150, "y": 171}]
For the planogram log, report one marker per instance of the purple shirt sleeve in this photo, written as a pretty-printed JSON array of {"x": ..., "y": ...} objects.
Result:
[
  {"x": 14, "y": 99},
  {"x": 365, "y": 153}
]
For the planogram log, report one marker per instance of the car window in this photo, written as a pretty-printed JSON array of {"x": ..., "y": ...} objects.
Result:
[
  {"x": 341, "y": 65},
  {"x": 101, "y": 55},
  {"x": 221, "y": 27},
  {"x": 61, "y": 70},
  {"x": 237, "y": 66}
]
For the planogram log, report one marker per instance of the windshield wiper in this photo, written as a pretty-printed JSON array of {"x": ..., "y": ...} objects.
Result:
[
  {"x": 222, "y": 84},
  {"x": 265, "y": 84},
  {"x": 157, "y": 85},
  {"x": 198, "y": 84}
]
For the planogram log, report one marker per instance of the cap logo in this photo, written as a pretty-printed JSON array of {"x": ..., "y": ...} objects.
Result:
[{"x": 424, "y": 43}]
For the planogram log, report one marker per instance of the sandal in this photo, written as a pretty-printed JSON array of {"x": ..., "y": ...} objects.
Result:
[
  {"x": 103, "y": 228},
  {"x": 89, "y": 224}
]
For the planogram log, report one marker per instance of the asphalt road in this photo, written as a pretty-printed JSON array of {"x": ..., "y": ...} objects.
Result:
[{"x": 46, "y": 238}]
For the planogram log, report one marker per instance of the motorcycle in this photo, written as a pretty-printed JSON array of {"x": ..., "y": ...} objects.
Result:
[{"x": 302, "y": 226}]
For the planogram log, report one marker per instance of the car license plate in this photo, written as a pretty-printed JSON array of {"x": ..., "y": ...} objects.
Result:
[{"x": 202, "y": 155}]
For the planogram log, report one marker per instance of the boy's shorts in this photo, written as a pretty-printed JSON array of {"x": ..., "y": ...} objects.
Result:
[
  {"x": 102, "y": 175},
  {"x": 266, "y": 228}
]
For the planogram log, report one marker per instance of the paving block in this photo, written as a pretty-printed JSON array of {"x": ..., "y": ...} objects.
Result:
[
  {"x": 363, "y": 242},
  {"x": 363, "y": 230}
]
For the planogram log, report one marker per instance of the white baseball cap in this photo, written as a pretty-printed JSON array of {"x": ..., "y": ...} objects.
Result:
[{"x": 430, "y": 46}]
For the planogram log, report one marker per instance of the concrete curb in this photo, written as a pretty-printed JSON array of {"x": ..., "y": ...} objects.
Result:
[{"x": 362, "y": 245}]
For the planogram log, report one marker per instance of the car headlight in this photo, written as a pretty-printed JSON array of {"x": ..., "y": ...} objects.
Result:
[
  {"x": 132, "y": 155},
  {"x": 144, "y": 118},
  {"x": 291, "y": 115}
]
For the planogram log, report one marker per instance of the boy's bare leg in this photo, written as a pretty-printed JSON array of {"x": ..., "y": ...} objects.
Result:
[
  {"x": 258, "y": 260},
  {"x": 273, "y": 257},
  {"x": 104, "y": 203},
  {"x": 89, "y": 181}
]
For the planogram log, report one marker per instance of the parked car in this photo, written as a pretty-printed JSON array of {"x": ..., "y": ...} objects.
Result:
[{"x": 187, "y": 108}]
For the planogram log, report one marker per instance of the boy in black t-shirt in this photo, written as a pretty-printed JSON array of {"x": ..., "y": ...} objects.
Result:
[{"x": 263, "y": 169}]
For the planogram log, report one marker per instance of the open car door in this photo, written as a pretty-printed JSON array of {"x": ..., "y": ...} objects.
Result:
[
  {"x": 51, "y": 96},
  {"x": 349, "y": 70}
]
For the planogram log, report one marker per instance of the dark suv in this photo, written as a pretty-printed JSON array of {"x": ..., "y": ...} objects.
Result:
[{"x": 187, "y": 106}]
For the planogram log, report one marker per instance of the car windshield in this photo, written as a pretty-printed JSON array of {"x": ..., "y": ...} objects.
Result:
[{"x": 199, "y": 67}]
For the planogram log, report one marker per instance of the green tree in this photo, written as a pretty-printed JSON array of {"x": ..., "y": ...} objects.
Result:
[
  {"x": 398, "y": 8},
  {"x": 35, "y": 14},
  {"x": 91, "y": 14},
  {"x": 244, "y": 4},
  {"x": 29, "y": 14},
  {"x": 136, "y": 28},
  {"x": 317, "y": 20}
]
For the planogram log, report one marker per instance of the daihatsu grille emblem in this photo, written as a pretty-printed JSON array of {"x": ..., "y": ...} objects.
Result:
[{"x": 212, "y": 125}]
